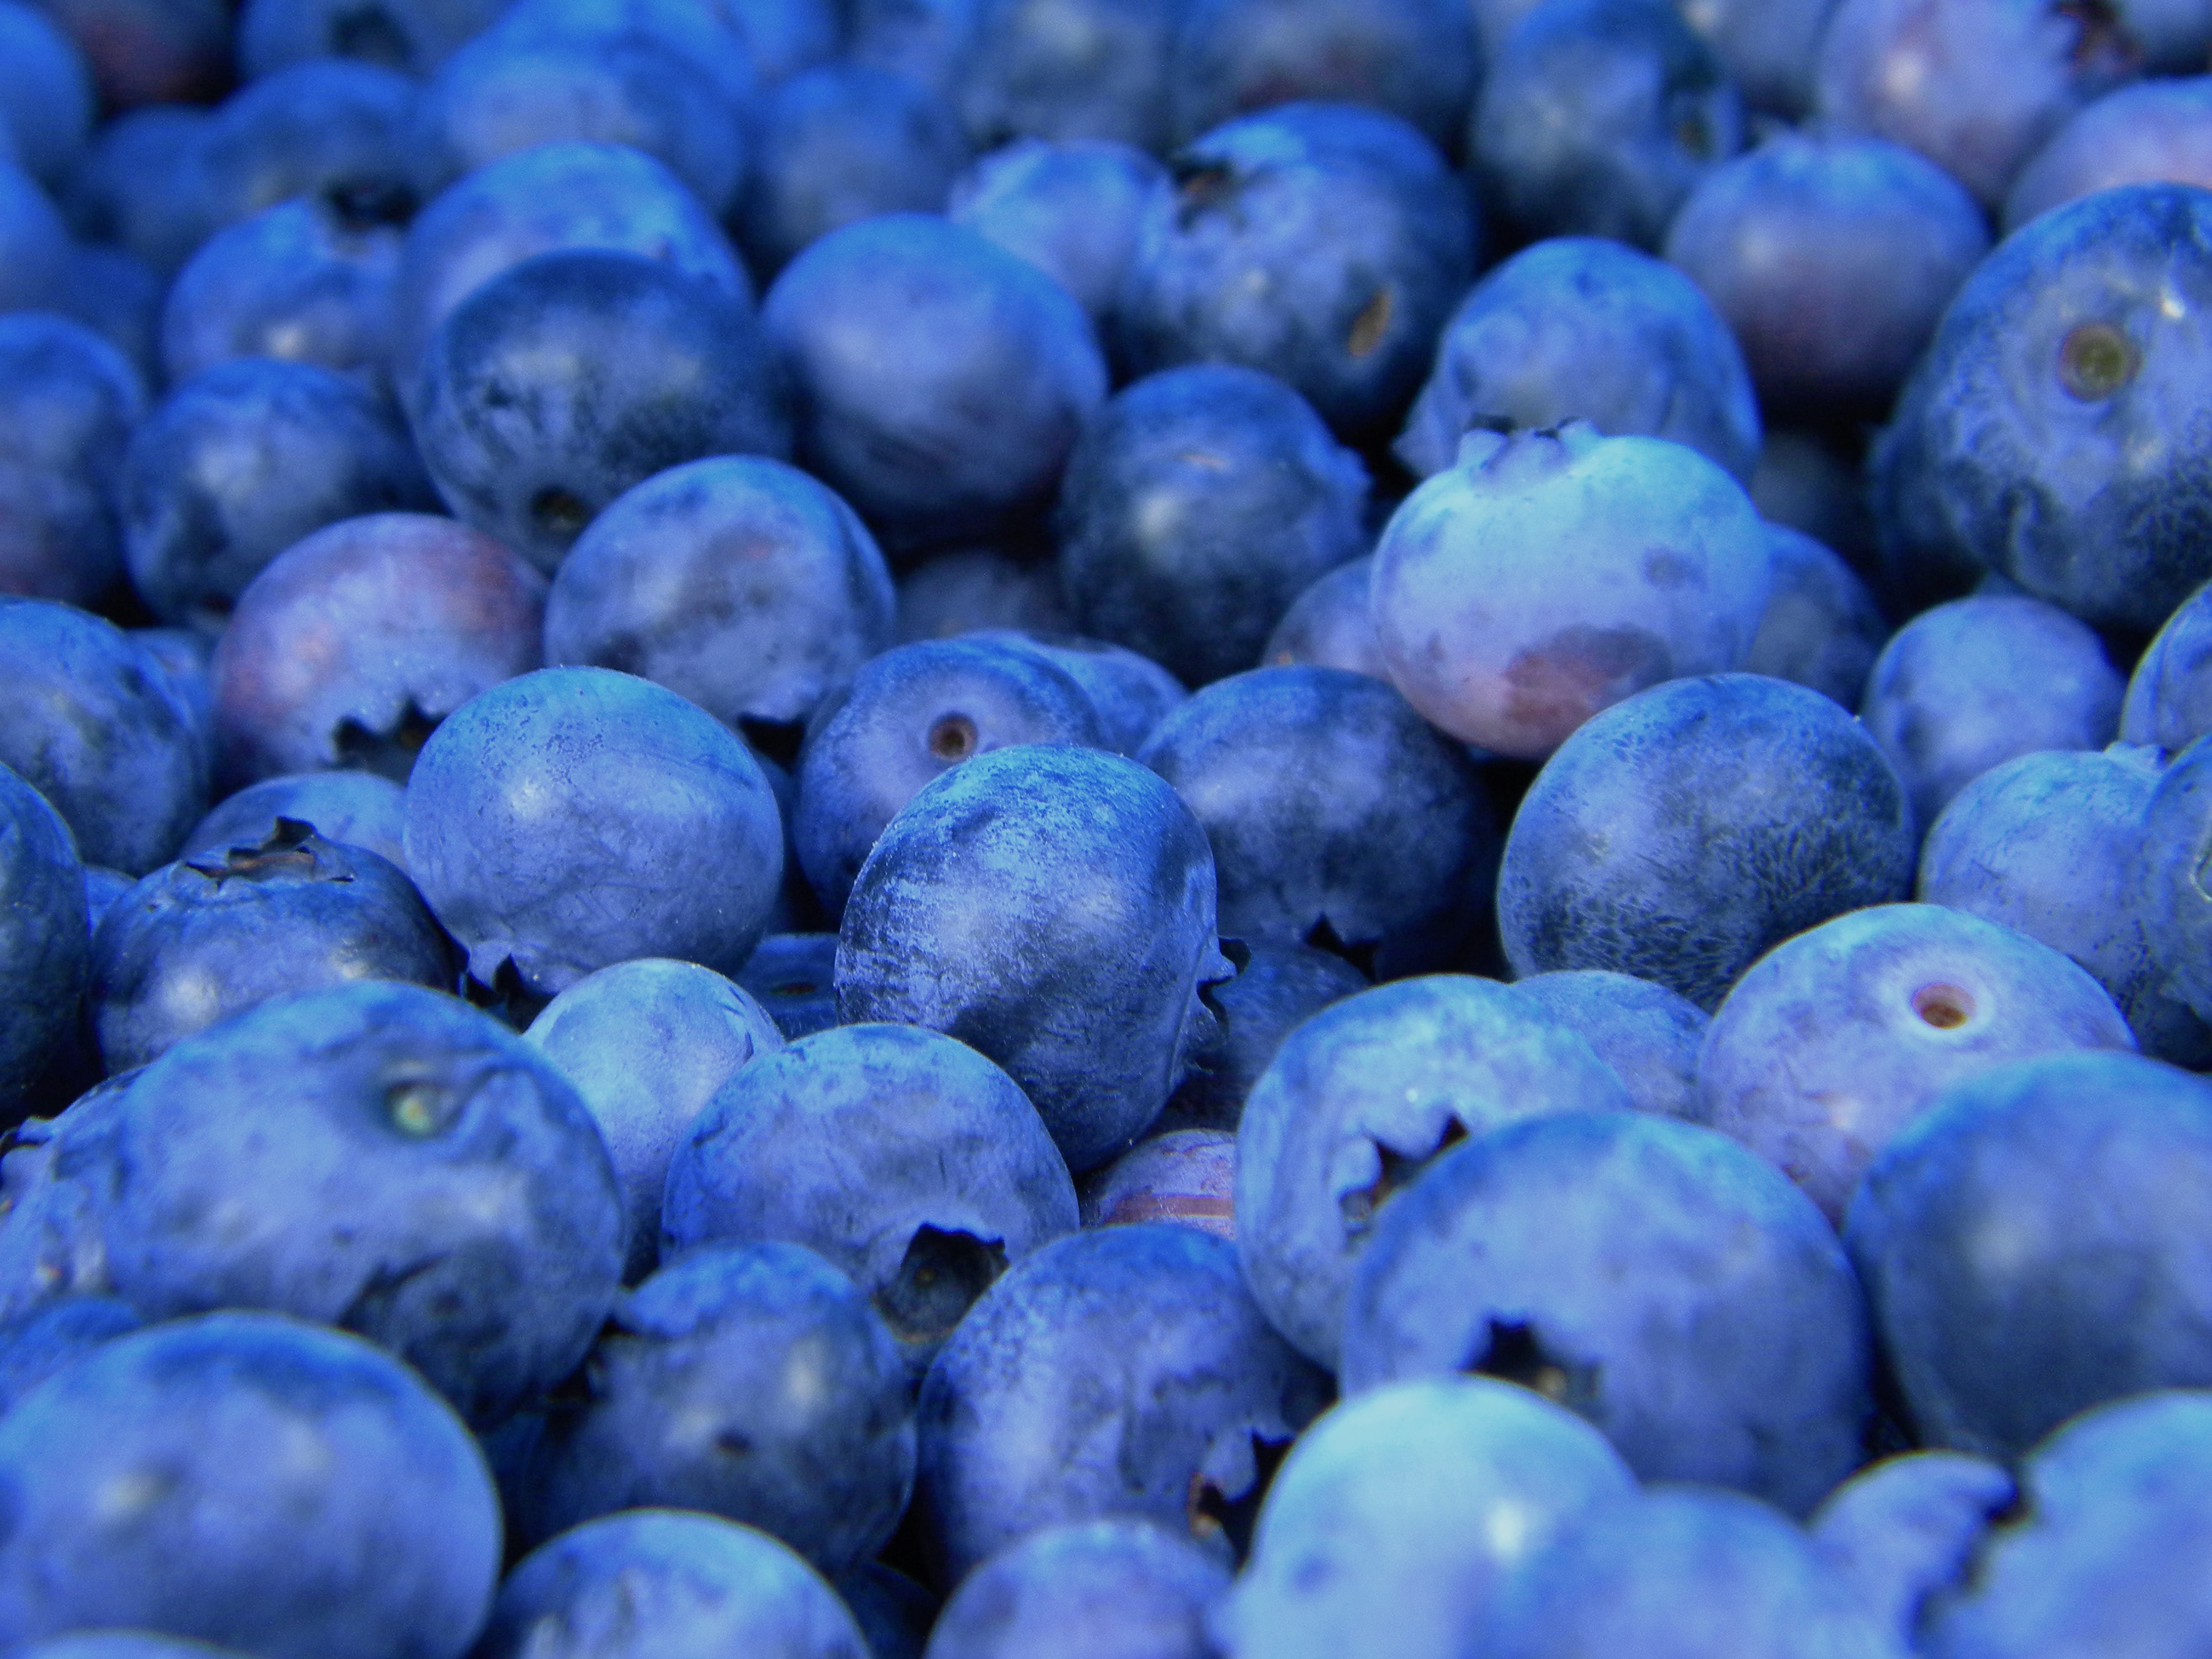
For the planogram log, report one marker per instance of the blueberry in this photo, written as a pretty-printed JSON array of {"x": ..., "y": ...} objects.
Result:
[
  {"x": 44, "y": 944},
  {"x": 1821, "y": 626},
  {"x": 1054, "y": 907},
  {"x": 90, "y": 719},
  {"x": 1183, "y": 1176},
  {"x": 249, "y": 1480},
  {"x": 240, "y": 462},
  {"x": 414, "y": 36},
  {"x": 1276, "y": 987},
  {"x": 563, "y": 193},
  {"x": 659, "y": 1583},
  {"x": 911, "y": 714},
  {"x": 793, "y": 977},
  {"x": 1330, "y": 625},
  {"x": 45, "y": 91},
  {"x": 1648, "y": 1034},
  {"x": 906, "y": 1159},
  {"x": 1356, "y": 1103},
  {"x": 68, "y": 403},
  {"x": 1834, "y": 1043},
  {"x": 1578, "y": 327},
  {"x": 2041, "y": 434},
  {"x": 1907, "y": 1529},
  {"x": 939, "y": 380},
  {"x": 1070, "y": 208},
  {"x": 736, "y": 581},
  {"x": 2029, "y": 1245},
  {"x": 1549, "y": 575},
  {"x": 1399, "y": 1517},
  {"x": 2052, "y": 844},
  {"x": 1768, "y": 47},
  {"x": 1318, "y": 251},
  {"x": 975, "y": 588},
  {"x": 362, "y": 809},
  {"x": 2169, "y": 696},
  {"x": 1070, "y": 69},
  {"x": 1131, "y": 693},
  {"x": 1122, "y": 1371},
  {"x": 1832, "y": 260},
  {"x": 56, "y": 1173},
  {"x": 647, "y": 1043},
  {"x": 1599, "y": 117},
  {"x": 353, "y": 644},
  {"x": 839, "y": 143},
  {"x": 1652, "y": 1276},
  {"x": 1110, "y": 1588},
  {"x": 749, "y": 1381},
  {"x": 41, "y": 1342},
  {"x": 2155, "y": 131},
  {"x": 1684, "y": 833},
  {"x": 1199, "y": 504},
  {"x": 1337, "y": 816},
  {"x": 562, "y": 382},
  {"x": 539, "y": 797},
  {"x": 1980, "y": 681},
  {"x": 199, "y": 940},
  {"x": 343, "y": 131}
]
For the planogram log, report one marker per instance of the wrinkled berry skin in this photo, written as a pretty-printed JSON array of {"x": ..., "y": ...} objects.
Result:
[
  {"x": 1334, "y": 810},
  {"x": 204, "y": 938},
  {"x": 906, "y": 1159},
  {"x": 750, "y": 1381},
  {"x": 1124, "y": 1370},
  {"x": 352, "y": 646},
  {"x": 1838, "y": 1038},
  {"x": 2048, "y": 432},
  {"x": 44, "y": 942},
  {"x": 1599, "y": 117},
  {"x": 1399, "y": 1515},
  {"x": 69, "y": 401},
  {"x": 356, "y": 1519},
  {"x": 1197, "y": 505},
  {"x": 651, "y": 1583},
  {"x": 1359, "y": 1100},
  {"x": 569, "y": 377},
  {"x": 90, "y": 719},
  {"x": 536, "y": 800},
  {"x": 646, "y": 1043},
  {"x": 1111, "y": 1587},
  {"x": 962, "y": 921},
  {"x": 939, "y": 381},
  {"x": 1581, "y": 328},
  {"x": 1549, "y": 575},
  {"x": 1681, "y": 834},
  {"x": 1322, "y": 243},
  {"x": 2092, "y": 1169},
  {"x": 908, "y": 716},
  {"x": 736, "y": 581},
  {"x": 1659, "y": 1279},
  {"x": 241, "y": 462}
]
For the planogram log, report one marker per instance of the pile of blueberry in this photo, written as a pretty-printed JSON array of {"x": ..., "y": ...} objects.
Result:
[{"x": 1106, "y": 828}]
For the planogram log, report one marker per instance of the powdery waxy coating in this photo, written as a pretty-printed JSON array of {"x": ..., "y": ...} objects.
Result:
[
  {"x": 1053, "y": 907},
  {"x": 90, "y": 719},
  {"x": 576, "y": 817},
  {"x": 380, "y": 1156},
  {"x": 251, "y": 1480},
  {"x": 204, "y": 938},
  {"x": 1390, "y": 1529},
  {"x": 735, "y": 581},
  {"x": 909, "y": 715},
  {"x": 748, "y": 1381},
  {"x": 940, "y": 381},
  {"x": 667, "y": 1584},
  {"x": 2052, "y": 844},
  {"x": 1648, "y": 1034},
  {"x": 1681, "y": 834},
  {"x": 566, "y": 379},
  {"x": 1124, "y": 1370},
  {"x": 2050, "y": 432},
  {"x": 1550, "y": 574},
  {"x": 1358, "y": 1101},
  {"x": 1584, "y": 328},
  {"x": 1685, "y": 1573},
  {"x": 646, "y": 1043},
  {"x": 1837, "y": 1040},
  {"x": 2098, "y": 1563},
  {"x": 1652, "y": 1276},
  {"x": 906, "y": 1159},
  {"x": 350, "y": 645},
  {"x": 1908, "y": 1530},
  {"x": 1117, "y": 1588},
  {"x": 1973, "y": 683},
  {"x": 1197, "y": 505},
  {"x": 2034, "y": 1244},
  {"x": 45, "y": 942}
]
